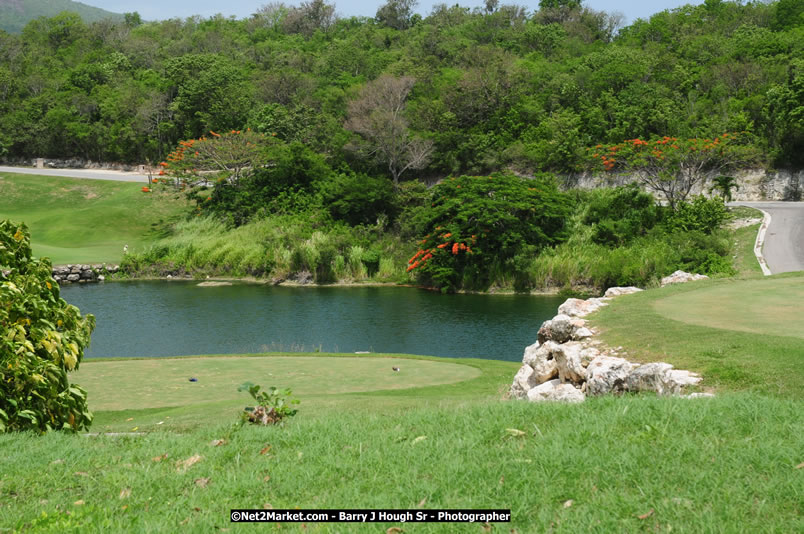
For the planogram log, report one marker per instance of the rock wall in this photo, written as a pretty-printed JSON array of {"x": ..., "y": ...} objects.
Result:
[
  {"x": 82, "y": 274},
  {"x": 568, "y": 364},
  {"x": 754, "y": 184}
]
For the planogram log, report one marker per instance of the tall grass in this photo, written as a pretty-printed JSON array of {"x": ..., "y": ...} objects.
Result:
[{"x": 274, "y": 247}]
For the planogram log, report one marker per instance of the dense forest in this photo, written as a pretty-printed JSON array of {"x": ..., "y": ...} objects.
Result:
[{"x": 479, "y": 90}]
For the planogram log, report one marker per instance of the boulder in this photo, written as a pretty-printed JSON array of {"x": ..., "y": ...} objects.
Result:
[
  {"x": 679, "y": 378},
  {"x": 73, "y": 277},
  {"x": 112, "y": 268},
  {"x": 617, "y": 291},
  {"x": 588, "y": 354},
  {"x": 540, "y": 358},
  {"x": 558, "y": 329},
  {"x": 581, "y": 308},
  {"x": 680, "y": 277},
  {"x": 75, "y": 269},
  {"x": 582, "y": 333},
  {"x": 101, "y": 278},
  {"x": 607, "y": 374},
  {"x": 524, "y": 381},
  {"x": 698, "y": 396},
  {"x": 554, "y": 390},
  {"x": 651, "y": 377},
  {"x": 568, "y": 361},
  {"x": 88, "y": 274}
]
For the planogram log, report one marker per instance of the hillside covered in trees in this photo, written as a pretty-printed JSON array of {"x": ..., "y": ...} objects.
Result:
[
  {"x": 15, "y": 14},
  {"x": 475, "y": 90}
]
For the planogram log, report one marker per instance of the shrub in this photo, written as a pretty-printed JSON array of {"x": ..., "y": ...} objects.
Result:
[
  {"x": 42, "y": 338},
  {"x": 701, "y": 215},
  {"x": 478, "y": 225},
  {"x": 358, "y": 198},
  {"x": 619, "y": 215},
  {"x": 273, "y": 406}
]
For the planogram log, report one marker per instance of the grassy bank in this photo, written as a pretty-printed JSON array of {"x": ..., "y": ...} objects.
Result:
[
  {"x": 611, "y": 464},
  {"x": 742, "y": 335},
  {"x": 74, "y": 220}
]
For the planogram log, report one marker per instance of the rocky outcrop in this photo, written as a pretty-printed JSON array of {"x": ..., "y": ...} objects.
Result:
[
  {"x": 82, "y": 274},
  {"x": 568, "y": 364},
  {"x": 681, "y": 277}
]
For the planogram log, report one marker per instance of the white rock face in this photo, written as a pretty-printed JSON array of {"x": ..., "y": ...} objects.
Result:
[
  {"x": 555, "y": 391},
  {"x": 651, "y": 377},
  {"x": 617, "y": 291},
  {"x": 680, "y": 378},
  {"x": 581, "y": 308},
  {"x": 523, "y": 382},
  {"x": 680, "y": 277},
  {"x": 582, "y": 333},
  {"x": 558, "y": 329},
  {"x": 568, "y": 360},
  {"x": 607, "y": 374},
  {"x": 540, "y": 358}
]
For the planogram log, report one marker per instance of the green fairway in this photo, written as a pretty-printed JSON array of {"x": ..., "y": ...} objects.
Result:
[
  {"x": 74, "y": 220},
  {"x": 767, "y": 307},
  {"x": 739, "y": 334}
]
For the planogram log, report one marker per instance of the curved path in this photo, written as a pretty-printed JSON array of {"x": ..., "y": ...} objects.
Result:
[
  {"x": 92, "y": 174},
  {"x": 784, "y": 239}
]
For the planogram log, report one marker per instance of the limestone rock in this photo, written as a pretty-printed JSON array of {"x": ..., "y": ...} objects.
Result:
[
  {"x": 88, "y": 274},
  {"x": 540, "y": 358},
  {"x": 555, "y": 391},
  {"x": 73, "y": 277},
  {"x": 524, "y": 381},
  {"x": 651, "y": 377},
  {"x": 680, "y": 378},
  {"x": 588, "y": 354},
  {"x": 617, "y": 291},
  {"x": 582, "y": 333},
  {"x": 581, "y": 308},
  {"x": 698, "y": 396},
  {"x": 607, "y": 374},
  {"x": 101, "y": 278},
  {"x": 214, "y": 284},
  {"x": 680, "y": 277},
  {"x": 568, "y": 361},
  {"x": 558, "y": 329}
]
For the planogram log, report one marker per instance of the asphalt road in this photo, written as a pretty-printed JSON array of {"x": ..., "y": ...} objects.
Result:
[
  {"x": 94, "y": 174},
  {"x": 784, "y": 240}
]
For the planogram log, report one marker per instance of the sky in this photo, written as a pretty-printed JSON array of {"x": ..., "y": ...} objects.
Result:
[{"x": 162, "y": 9}]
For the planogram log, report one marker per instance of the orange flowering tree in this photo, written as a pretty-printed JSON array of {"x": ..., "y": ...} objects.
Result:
[
  {"x": 231, "y": 156},
  {"x": 481, "y": 225},
  {"x": 673, "y": 166}
]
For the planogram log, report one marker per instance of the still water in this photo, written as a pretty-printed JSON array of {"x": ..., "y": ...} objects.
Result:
[{"x": 179, "y": 318}]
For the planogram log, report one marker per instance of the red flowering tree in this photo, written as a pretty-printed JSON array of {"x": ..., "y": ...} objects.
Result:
[
  {"x": 480, "y": 226},
  {"x": 673, "y": 166},
  {"x": 232, "y": 156}
]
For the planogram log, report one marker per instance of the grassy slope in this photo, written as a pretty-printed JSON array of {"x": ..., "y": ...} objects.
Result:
[{"x": 73, "y": 220}]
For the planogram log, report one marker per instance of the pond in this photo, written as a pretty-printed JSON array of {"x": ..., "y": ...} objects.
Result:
[{"x": 154, "y": 319}]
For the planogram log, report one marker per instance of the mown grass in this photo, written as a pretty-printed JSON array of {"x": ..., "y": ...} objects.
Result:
[
  {"x": 764, "y": 360},
  {"x": 610, "y": 465},
  {"x": 73, "y": 220}
]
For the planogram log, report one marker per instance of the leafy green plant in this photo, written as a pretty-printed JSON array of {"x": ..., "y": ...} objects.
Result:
[
  {"x": 479, "y": 225},
  {"x": 273, "y": 405},
  {"x": 42, "y": 338}
]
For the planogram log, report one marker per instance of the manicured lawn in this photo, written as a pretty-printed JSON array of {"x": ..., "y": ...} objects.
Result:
[
  {"x": 739, "y": 334},
  {"x": 73, "y": 220}
]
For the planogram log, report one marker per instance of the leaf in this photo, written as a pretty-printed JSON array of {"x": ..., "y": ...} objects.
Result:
[
  {"x": 417, "y": 440},
  {"x": 799, "y": 466},
  {"x": 486, "y": 527},
  {"x": 188, "y": 463},
  {"x": 422, "y": 502},
  {"x": 159, "y": 458},
  {"x": 81, "y": 474},
  {"x": 125, "y": 493},
  {"x": 202, "y": 482},
  {"x": 646, "y": 515},
  {"x": 217, "y": 442},
  {"x": 266, "y": 478},
  {"x": 515, "y": 432},
  {"x": 266, "y": 449},
  {"x": 394, "y": 530},
  {"x": 568, "y": 503},
  {"x": 79, "y": 502}
]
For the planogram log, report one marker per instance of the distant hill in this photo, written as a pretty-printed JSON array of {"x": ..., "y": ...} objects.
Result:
[{"x": 15, "y": 14}]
